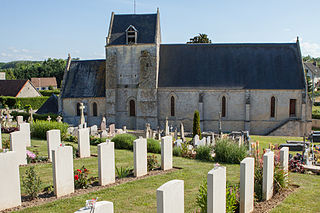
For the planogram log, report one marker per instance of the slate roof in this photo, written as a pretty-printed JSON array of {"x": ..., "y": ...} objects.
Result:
[
  {"x": 44, "y": 82},
  {"x": 11, "y": 87},
  {"x": 85, "y": 79},
  {"x": 50, "y": 106},
  {"x": 146, "y": 25},
  {"x": 310, "y": 66},
  {"x": 234, "y": 66}
]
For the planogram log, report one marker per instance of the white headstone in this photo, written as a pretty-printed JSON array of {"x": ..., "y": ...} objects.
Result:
[
  {"x": 170, "y": 197},
  {"x": 82, "y": 118},
  {"x": 84, "y": 143},
  {"x": 246, "y": 185},
  {"x": 178, "y": 143},
  {"x": 213, "y": 140},
  {"x": 25, "y": 128},
  {"x": 166, "y": 153},
  {"x": 140, "y": 156},
  {"x": 104, "y": 134},
  {"x": 53, "y": 141},
  {"x": 268, "y": 171},
  {"x": 9, "y": 181},
  {"x": 106, "y": 163},
  {"x": 100, "y": 207},
  {"x": 62, "y": 165},
  {"x": 208, "y": 141},
  {"x": 201, "y": 142},
  {"x": 94, "y": 130},
  {"x": 19, "y": 119},
  {"x": 196, "y": 140},
  {"x": 284, "y": 158},
  {"x": 103, "y": 125},
  {"x": 216, "y": 190},
  {"x": 18, "y": 145},
  {"x": 0, "y": 134}
]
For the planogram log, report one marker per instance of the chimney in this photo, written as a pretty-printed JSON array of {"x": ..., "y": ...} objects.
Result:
[{"x": 2, "y": 76}]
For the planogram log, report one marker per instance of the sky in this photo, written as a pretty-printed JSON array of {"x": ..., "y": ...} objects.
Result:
[{"x": 41, "y": 29}]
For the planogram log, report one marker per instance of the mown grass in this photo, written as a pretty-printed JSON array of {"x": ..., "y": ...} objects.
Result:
[{"x": 140, "y": 195}]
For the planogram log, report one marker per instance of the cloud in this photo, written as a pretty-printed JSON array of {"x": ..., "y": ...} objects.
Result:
[{"x": 312, "y": 49}]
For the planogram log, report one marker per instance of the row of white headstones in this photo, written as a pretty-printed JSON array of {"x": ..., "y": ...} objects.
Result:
[
  {"x": 62, "y": 162},
  {"x": 170, "y": 196}
]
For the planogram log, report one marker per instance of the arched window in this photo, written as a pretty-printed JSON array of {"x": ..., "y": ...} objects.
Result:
[
  {"x": 78, "y": 109},
  {"x": 94, "y": 109},
  {"x": 172, "y": 106},
  {"x": 223, "y": 106},
  {"x": 273, "y": 107},
  {"x": 132, "y": 107}
]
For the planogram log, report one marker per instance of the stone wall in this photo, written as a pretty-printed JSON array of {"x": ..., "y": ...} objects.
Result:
[
  {"x": 70, "y": 110},
  {"x": 132, "y": 73},
  {"x": 258, "y": 101},
  {"x": 28, "y": 91}
]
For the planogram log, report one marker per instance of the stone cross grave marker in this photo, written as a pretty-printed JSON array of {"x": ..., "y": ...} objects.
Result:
[
  {"x": 59, "y": 119},
  {"x": 103, "y": 125},
  {"x": 82, "y": 118},
  {"x": 99, "y": 207},
  {"x": 49, "y": 118},
  {"x": 112, "y": 129}
]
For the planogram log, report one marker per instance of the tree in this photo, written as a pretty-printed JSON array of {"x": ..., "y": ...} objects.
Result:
[
  {"x": 201, "y": 38},
  {"x": 196, "y": 124}
]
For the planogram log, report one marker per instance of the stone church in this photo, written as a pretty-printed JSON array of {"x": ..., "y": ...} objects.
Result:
[{"x": 259, "y": 87}]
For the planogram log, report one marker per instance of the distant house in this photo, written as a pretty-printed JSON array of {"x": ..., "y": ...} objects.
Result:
[
  {"x": 44, "y": 83},
  {"x": 18, "y": 88},
  {"x": 313, "y": 71}
]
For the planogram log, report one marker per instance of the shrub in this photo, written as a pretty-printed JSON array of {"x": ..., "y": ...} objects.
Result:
[
  {"x": 152, "y": 162},
  {"x": 35, "y": 116},
  {"x": 11, "y": 102},
  {"x": 232, "y": 197},
  {"x": 196, "y": 124},
  {"x": 204, "y": 153},
  {"x": 123, "y": 172},
  {"x": 202, "y": 197},
  {"x": 5, "y": 144},
  {"x": 95, "y": 141},
  {"x": 39, "y": 128},
  {"x": 124, "y": 141},
  {"x": 153, "y": 146},
  {"x": 227, "y": 151},
  {"x": 31, "y": 182},
  {"x": 280, "y": 179},
  {"x": 81, "y": 179},
  {"x": 176, "y": 151},
  {"x": 71, "y": 138}
]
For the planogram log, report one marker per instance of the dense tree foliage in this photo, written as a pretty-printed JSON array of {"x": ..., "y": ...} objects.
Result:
[
  {"x": 196, "y": 124},
  {"x": 34, "y": 69},
  {"x": 309, "y": 58},
  {"x": 201, "y": 38}
]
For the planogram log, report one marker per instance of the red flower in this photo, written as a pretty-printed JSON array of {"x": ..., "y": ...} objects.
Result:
[
  {"x": 85, "y": 170},
  {"x": 79, "y": 170},
  {"x": 76, "y": 177}
]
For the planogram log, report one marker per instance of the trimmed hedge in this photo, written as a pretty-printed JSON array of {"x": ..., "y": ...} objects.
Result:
[
  {"x": 204, "y": 153},
  {"x": 39, "y": 128},
  {"x": 12, "y": 102},
  {"x": 50, "y": 92},
  {"x": 125, "y": 141},
  {"x": 42, "y": 117}
]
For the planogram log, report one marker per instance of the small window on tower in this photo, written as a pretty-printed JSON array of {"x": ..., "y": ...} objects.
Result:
[{"x": 131, "y": 35}]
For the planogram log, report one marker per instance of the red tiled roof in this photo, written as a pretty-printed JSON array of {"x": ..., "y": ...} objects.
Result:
[
  {"x": 11, "y": 87},
  {"x": 44, "y": 82}
]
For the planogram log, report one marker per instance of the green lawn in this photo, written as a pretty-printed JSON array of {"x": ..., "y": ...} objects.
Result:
[{"x": 140, "y": 195}]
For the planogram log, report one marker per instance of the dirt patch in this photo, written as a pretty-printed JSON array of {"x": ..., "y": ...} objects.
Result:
[
  {"x": 49, "y": 197},
  {"x": 266, "y": 206}
]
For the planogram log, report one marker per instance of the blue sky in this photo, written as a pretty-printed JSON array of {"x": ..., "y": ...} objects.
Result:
[{"x": 38, "y": 29}]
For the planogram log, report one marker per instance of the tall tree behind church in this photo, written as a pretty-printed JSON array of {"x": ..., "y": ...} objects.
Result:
[
  {"x": 196, "y": 124},
  {"x": 201, "y": 38}
]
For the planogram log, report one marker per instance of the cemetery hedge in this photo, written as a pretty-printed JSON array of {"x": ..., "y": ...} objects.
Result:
[
  {"x": 125, "y": 141},
  {"x": 39, "y": 128},
  {"x": 13, "y": 102},
  {"x": 50, "y": 92},
  {"x": 204, "y": 153},
  {"x": 35, "y": 116}
]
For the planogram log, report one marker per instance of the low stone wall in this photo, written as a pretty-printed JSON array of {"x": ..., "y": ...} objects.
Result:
[{"x": 293, "y": 128}]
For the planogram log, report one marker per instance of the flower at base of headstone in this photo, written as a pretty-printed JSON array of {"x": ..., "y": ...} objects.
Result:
[
  {"x": 76, "y": 177},
  {"x": 216, "y": 165},
  {"x": 31, "y": 154}
]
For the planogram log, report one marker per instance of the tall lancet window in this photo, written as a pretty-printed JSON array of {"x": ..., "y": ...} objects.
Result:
[
  {"x": 172, "y": 105},
  {"x": 132, "y": 34},
  {"x": 223, "y": 106},
  {"x": 273, "y": 107}
]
